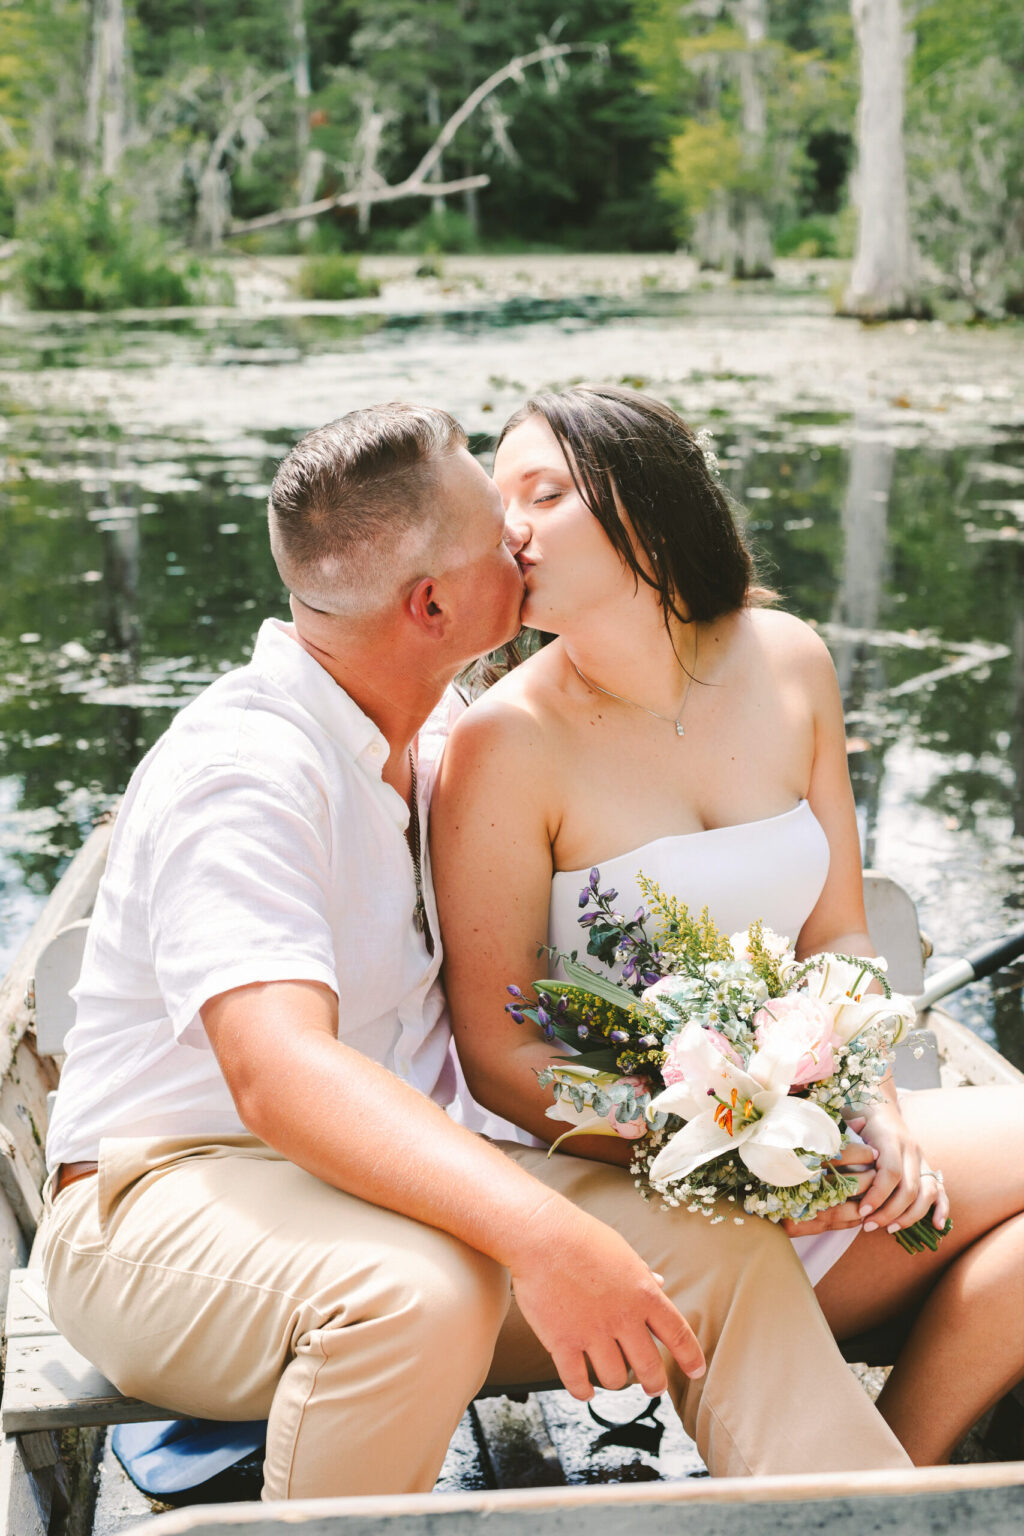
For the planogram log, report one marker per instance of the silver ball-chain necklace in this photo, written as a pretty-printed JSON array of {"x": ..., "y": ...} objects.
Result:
[{"x": 675, "y": 720}]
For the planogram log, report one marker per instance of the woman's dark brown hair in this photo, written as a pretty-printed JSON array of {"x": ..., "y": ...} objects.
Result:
[{"x": 627, "y": 450}]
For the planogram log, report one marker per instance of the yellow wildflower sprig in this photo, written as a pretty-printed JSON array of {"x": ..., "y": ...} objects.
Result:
[
  {"x": 694, "y": 940},
  {"x": 764, "y": 962}
]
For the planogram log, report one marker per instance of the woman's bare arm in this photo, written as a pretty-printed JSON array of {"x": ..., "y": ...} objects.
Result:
[
  {"x": 493, "y": 819},
  {"x": 838, "y": 921}
]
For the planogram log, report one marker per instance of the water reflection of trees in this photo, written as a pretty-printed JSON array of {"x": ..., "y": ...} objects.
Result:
[
  {"x": 858, "y": 601},
  {"x": 90, "y": 571}
]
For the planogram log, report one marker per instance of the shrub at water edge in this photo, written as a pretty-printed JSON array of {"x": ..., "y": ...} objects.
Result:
[
  {"x": 335, "y": 276},
  {"x": 89, "y": 252}
]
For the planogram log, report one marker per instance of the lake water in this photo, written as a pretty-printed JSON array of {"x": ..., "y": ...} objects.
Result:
[{"x": 882, "y": 470}]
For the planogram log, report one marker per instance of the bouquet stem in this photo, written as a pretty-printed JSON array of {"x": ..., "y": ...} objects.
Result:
[{"x": 923, "y": 1234}]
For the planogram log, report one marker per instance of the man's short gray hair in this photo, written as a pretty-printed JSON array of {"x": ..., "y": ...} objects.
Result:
[{"x": 353, "y": 511}]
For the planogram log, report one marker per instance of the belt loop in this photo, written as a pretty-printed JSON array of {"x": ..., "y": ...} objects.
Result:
[{"x": 48, "y": 1188}]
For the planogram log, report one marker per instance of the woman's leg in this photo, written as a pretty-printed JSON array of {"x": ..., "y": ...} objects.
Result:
[{"x": 966, "y": 1345}]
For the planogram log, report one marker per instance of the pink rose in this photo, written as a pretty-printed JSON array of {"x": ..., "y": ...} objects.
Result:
[
  {"x": 796, "y": 1022},
  {"x": 632, "y": 1130},
  {"x": 674, "y": 1069}
]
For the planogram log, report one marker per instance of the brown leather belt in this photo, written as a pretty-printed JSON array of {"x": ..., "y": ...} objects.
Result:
[{"x": 70, "y": 1173}]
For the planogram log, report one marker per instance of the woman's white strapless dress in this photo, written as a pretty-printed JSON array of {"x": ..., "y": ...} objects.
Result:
[{"x": 773, "y": 869}]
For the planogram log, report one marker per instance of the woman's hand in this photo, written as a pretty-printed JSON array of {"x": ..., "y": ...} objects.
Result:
[
  {"x": 857, "y": 1160},
  {"x": 900, "y": 1193}
]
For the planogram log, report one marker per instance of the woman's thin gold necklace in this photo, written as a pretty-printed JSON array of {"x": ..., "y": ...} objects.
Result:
[{"x": 634, "y": 704}]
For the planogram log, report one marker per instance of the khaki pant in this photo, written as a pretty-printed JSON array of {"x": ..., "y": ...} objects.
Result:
[{"x": 223, "y": 1281}]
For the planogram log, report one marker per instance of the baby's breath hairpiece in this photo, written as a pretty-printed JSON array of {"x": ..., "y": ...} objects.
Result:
[{"x": 705, "y": 442}]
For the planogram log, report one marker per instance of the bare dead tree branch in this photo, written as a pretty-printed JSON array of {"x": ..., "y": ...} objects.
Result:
[
  {"x": 382, "y": 194},
  {"x": 511, "y": 71},
  {"x": 416, "y": 183}
]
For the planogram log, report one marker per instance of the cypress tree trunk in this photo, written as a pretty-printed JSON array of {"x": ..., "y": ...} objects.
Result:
[
  {"x": 106, "y": 102},
  {"x": 753, "y": 256},
  {"x": 881, "y": 283},
  {"x": 437, "y": 204},
  {"x": 310, "y": 161}
]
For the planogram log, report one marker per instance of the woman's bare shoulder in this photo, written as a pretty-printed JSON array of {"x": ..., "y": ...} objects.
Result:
[
  {"x": 522, "y": 703},
  {"x": 508, "y": 728},
  {"x": 784, "y": 639}
]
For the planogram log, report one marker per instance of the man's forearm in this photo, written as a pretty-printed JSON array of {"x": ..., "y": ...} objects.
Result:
[{"x": 353, "y": 1124}]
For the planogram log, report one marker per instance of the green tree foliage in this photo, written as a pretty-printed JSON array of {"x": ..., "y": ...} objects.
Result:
[
  {"x": 693, "y": 56},
  {"x": 966, "y": 150},
  {"x": 691, "y": 126}
]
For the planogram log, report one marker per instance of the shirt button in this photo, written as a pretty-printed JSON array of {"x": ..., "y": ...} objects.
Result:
[{"x": 375, "y": 749}]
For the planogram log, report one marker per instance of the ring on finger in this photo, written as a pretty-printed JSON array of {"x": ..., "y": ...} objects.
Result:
[{"x": 933, "y": 1173}]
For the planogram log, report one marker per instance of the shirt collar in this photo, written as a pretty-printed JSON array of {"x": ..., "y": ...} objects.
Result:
[{"x": 278, "y": 654}]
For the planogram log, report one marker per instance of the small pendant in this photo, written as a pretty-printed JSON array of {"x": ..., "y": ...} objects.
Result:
[{"x": 679, "y": 729}]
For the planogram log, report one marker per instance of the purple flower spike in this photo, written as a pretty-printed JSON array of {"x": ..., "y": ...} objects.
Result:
[
  {"x": 582, "y": 1031},
  {"x": 561, "y": 1005},
  {"x": 588, "y": 918},
  {"x": 609, "y": 895},
  {"x": 543, "y": 1019},
  {"x": 517, "y": 1014},
  {"x": 639, "y": 915},
  {"x": 585, "y": 896},
  {"x": 595, "y": 880},
  {"x": 513, "y": 990},
  {"x": 549, "y": 1033},
  {"x": 649, "y": 978},
  {"x": 618, "y": 1036}
]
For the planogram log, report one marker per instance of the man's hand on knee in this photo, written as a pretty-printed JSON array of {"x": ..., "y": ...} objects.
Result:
[{"x": 589, "y": 1297}]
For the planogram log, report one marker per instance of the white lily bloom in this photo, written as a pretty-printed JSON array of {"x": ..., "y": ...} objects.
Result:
[
  {"x": 839, "y": 985},
  {"x": 767, "y": 1124}
]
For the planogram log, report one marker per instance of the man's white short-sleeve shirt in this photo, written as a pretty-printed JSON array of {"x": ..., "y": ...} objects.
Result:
[{"x": 256, "y": 842}]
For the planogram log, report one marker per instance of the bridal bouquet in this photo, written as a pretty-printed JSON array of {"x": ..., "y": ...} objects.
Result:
[{"x": 729, "y": 1062}]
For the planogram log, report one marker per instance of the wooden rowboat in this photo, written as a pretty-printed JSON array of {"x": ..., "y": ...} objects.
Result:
[{"x": 47, "y": 1487}]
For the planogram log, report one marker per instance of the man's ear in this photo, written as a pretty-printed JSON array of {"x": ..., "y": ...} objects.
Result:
[{"x": 426, "y": 608}]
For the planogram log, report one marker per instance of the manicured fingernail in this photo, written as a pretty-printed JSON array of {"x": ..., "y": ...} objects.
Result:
[
  {"x": 865, "y": 1210},
  {"x": 871, "y": 1226},
  {"x": 894, "y": 1228},
  {"x": 698, "y": 1373}
]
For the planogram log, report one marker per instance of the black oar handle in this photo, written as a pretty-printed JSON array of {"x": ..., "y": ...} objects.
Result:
[
  {"x": 992, "y": 957},
  {"x": 982, "y": 962}
]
